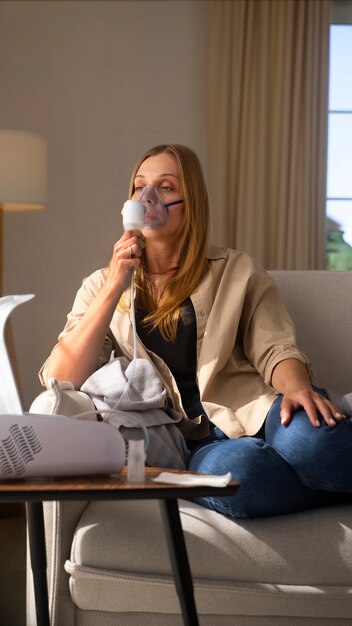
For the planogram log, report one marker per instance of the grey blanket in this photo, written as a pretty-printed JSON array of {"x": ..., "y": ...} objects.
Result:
[{"x": 133, "y": 390}]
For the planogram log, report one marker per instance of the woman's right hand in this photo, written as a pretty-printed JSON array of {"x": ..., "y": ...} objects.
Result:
[{"x": 126, "y": 257}]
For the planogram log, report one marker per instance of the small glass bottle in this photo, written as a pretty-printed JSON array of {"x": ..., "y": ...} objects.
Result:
[{"x": 136, "y": 461}]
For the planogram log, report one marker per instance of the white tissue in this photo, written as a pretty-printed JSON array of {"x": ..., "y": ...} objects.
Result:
[{"x": 194, "y": 480}]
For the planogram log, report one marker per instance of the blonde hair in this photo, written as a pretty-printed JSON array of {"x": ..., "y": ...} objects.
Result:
[{"x": 164, "y": 310}]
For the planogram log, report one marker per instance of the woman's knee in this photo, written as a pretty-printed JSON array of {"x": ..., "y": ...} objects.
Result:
[
  {"x": 261, "y": 474},
  {"x": 319, "y": 455}
]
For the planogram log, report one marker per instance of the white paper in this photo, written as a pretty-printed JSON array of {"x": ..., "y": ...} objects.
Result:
[{"x": 194, "y": 480}]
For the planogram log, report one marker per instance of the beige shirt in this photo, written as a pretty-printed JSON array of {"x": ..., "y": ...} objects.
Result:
[{"x": 243, "y": 332}]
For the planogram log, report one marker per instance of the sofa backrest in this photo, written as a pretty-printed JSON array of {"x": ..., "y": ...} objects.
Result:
[{"x": 320, "y": 304}]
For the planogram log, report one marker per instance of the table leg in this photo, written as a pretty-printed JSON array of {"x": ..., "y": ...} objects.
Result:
[
  {"x": 36, "y": 538},
  {"x": 179, "y": 560}
]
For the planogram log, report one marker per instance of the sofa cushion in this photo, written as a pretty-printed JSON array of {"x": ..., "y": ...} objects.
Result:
[
  {"x": 119, "y": 561},
  {"x": 320, "y": 305}
]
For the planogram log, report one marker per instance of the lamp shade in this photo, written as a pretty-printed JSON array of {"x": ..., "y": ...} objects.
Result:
[{"x": 23, "y": 171}]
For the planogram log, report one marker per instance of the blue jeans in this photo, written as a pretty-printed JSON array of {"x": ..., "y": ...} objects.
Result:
[{"x": 292, "y": 468}]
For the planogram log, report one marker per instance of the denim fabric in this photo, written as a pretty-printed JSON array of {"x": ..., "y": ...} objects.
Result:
[{"x": 283, "y": 469}]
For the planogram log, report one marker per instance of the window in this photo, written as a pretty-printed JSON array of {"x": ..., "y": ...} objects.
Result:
[{"x": 339, "y": 172}]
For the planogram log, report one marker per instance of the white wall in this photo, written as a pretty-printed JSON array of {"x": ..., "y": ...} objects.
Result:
[{"x": 102, "y": 81}]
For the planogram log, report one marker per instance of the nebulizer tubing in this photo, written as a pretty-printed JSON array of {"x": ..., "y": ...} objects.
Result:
[
  {"x": 134, "y": 334},
  {"x": 133, "y": 213}
]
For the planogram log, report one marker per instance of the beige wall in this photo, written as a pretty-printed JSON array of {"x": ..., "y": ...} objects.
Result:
[{"x": 102, "y": 81}]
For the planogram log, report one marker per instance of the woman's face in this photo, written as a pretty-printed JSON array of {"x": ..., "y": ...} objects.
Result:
[{"x": 162, "y": 172}]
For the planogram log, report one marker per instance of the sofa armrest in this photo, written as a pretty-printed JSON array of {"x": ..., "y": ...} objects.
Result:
[{"x": 60, "y": 518}]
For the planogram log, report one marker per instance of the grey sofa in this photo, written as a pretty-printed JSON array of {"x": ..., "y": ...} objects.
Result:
[{"x": 108, "y": 562}]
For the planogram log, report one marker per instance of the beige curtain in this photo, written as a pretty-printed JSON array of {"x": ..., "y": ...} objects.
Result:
[{"x": 267, "y": 128}]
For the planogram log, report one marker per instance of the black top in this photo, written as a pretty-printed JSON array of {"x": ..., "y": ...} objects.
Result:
[{"x": 180, "y": 355}]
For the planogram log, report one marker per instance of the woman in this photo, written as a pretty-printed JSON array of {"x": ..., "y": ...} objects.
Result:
[{"x": 212, "y": 322}]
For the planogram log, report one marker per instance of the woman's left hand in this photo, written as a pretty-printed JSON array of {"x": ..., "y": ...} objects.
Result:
[
  {"x": 290, "y": 378},
  {"x": 312, "y": 402}
]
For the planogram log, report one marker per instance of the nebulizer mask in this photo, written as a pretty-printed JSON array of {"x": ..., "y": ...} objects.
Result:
[{"x": 146, "y": 210}]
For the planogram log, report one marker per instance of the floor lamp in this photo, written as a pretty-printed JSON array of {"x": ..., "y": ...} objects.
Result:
[{"x": 23, "y": 175}]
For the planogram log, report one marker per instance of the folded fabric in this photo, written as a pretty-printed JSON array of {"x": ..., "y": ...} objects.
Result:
[
  {"x": 135, "y": 394},
  {"x": 109, "y": 383}
]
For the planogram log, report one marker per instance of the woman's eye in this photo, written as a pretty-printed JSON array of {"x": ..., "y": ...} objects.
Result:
[
  {"x": 139, "y": 188},
  {"x": 166, "y": 188}
]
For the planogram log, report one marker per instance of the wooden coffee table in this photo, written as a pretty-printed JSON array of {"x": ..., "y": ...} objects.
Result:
[{"x": 112, "y": 487}]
